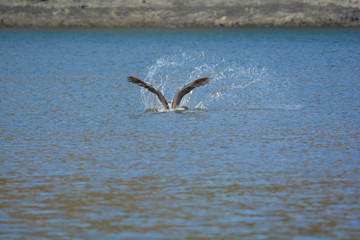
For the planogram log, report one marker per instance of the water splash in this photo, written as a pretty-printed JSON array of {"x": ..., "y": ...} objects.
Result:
[{"x": 231, "y": 85}]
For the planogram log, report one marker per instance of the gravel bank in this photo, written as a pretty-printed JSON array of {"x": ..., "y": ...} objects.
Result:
[{"x": 178, "y": 13}]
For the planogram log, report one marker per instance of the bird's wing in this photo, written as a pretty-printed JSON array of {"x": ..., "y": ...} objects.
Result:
[
  {"x": 150, "y": 88},
  {"x": 188, "y": 88}
]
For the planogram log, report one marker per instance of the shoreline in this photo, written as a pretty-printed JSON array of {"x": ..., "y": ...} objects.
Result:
[{"x": 178, "y": 14}]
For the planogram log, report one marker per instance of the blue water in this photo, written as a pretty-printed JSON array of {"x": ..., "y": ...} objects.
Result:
[{"x": 270, "y": 148}]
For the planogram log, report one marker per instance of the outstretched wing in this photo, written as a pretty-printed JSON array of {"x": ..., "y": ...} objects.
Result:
[
  {"x": 150, "y": 88},
  {"x": 188, "y": 88}
]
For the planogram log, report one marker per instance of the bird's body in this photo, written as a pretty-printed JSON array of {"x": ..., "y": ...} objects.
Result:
[{"x": 175, "y": 103}]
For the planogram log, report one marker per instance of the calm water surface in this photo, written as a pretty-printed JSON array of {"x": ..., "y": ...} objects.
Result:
[{"x": 269, "y": 149}]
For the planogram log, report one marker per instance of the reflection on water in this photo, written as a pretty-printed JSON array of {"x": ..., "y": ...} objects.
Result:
[{"x": 269, "y": 149}]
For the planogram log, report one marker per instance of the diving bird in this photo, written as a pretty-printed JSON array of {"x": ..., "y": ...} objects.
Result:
[{"x": 179, "y": 94}]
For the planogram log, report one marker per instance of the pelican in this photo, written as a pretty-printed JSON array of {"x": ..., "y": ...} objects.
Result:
[{"x": 179, "y": 94}]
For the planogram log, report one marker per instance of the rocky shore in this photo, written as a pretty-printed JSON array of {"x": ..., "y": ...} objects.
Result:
[{"x": 178, "y": 13}]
